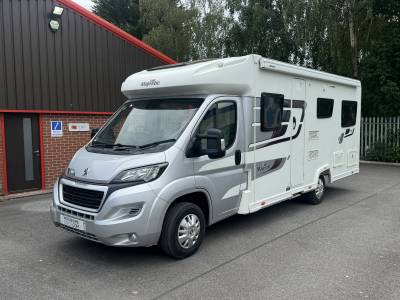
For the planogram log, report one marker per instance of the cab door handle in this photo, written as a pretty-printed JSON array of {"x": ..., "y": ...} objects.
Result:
[{"x": 238, "y": 157}]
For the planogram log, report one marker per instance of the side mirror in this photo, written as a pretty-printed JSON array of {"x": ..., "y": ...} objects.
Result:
[
  {"x": 213, "y": 143},
  {"x": 93, "y": 132}
]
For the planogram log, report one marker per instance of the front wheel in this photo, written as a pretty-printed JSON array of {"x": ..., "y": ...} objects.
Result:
[
  {"x": 183, "y": 230},
  {"x": 316, "y": 196}
]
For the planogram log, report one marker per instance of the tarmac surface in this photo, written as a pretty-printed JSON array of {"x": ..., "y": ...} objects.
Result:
[{"x": 348, "y": 247}]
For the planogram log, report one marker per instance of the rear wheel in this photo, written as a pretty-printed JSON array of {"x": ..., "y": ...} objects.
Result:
[
  {"x": 316, "y": 196},
  {"x": 183, "y": 230}
]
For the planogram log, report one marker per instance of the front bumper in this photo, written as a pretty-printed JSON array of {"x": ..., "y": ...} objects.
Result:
[{"x": 115, "y": 224}]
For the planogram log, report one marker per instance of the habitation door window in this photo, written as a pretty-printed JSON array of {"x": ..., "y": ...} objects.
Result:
[
  {"x": 222, "y": 116},
  {"x": 324, "y": 108},
  {"x": 271, "y": 111},
  {"x": 349, "y": 113}
]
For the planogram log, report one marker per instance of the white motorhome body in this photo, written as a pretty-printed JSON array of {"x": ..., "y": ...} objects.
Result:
[
  {"x": 241, "y": 134},
  {"x": 287, "y": 161}
]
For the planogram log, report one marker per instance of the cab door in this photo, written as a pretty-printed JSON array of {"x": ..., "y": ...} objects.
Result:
[{"x": 222, "y": 177}]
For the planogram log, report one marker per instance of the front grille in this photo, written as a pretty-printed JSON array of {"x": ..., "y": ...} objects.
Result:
[
  {"x": 82, "y": 197},
  {"x": 75, "y": 213},
  {"x": 83, "y": 234}
]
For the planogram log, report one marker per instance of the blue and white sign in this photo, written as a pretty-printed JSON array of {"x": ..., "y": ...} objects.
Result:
[{"x": 56, "y": 128}]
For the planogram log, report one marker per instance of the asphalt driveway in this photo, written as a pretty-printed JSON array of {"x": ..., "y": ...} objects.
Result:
[{"x": 348, "y": 247}]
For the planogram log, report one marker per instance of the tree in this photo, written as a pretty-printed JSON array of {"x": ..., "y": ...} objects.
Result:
[
  {"x": 354, "y": 38},
  {"x": 123, "y": 13},
  {"x": 168, "y": 24},
  {"x": 380, "y": 66},
  {"x": 209, "y": 30}
]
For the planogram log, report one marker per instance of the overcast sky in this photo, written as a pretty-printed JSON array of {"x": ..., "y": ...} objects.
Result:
[{"x": 85, "y": 3}]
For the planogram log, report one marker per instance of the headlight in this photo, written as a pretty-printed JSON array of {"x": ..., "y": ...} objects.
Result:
[{"x": 143, "y": 174}]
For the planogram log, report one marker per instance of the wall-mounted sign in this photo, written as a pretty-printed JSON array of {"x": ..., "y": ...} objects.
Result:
[
  {"x": 56, "y": 128},
  {"x": 78, "y": 127}
]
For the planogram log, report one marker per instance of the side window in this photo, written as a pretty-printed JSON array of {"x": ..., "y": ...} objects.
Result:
[
  {"x": 222, "y": 116},
  {"x": 349, "y": 113},
  {"x": 324, "y": 108},
  {"x": 271, "y": 111}
]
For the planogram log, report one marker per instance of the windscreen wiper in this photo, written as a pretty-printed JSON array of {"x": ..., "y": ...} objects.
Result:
[
  {"x": 98, "y": 143},
  {"x": 117, "y": 145},
  {"x": 157, "y": 143}
]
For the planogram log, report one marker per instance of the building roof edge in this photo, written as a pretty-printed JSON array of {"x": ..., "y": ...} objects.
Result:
[{"x": 116, "y": 30}]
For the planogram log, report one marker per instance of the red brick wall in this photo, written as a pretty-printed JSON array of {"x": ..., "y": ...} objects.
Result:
[{"x": 57, "y": 151}]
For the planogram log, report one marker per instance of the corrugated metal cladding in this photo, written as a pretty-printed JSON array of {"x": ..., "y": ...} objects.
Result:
[{"x": 79, "y": 68}]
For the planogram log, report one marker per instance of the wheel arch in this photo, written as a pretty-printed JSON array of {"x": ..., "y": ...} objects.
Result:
[
  {"x": 199, "y": 197},
  {"x": 324, "y": 171},
  {"x": 326, "y": 175}
]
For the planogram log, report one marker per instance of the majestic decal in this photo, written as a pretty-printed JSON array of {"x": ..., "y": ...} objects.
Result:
[
  {"x": 151, "y": 82},
  {"x": 268, "y": 166}
]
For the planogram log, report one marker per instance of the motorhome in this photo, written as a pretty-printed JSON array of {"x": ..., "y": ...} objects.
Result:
[{"x": 201, "y": 141}]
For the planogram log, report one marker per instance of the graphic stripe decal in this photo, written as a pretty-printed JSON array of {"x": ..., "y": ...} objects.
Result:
[
  {"x": 280, "y": 131},
  {"x": 298, "y": 132},
  {"x": 300, "y": 104},
  {"x": 279, "y": 141},
  {"x": 349, "y": 133}
]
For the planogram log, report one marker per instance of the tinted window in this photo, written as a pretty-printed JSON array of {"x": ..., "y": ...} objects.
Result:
[
  {"x": 271, "y": 111},
  {"x": 324, "y": 108},
  {"x": 349, "y": 113},
  {"x": 222, "y": 116}
]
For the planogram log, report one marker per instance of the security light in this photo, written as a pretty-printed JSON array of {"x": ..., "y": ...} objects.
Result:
[
  {"x": 54, "y": 25},
  {"x": 55, "y": 17},
  {"x": 57, "y": 11}
]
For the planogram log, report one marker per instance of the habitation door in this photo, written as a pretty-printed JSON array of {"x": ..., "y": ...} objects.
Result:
[
  {"x": 297, "y": 138},
  {"x": 23, "y": 152}
]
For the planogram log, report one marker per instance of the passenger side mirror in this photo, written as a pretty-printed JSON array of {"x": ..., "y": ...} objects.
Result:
[
  {"x": 212, "y": 143},
  {"x": 93, "y": 132}
]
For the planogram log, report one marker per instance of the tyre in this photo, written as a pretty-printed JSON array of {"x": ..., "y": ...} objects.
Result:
[
  {"x": 316, "y": 196},
  {"x": 183, "y": 230}
]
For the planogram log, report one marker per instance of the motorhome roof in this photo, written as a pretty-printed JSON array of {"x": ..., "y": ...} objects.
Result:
[
  {"x": 234, "y": 75},
  {"x": 187, "y": 63},
  {"x": 278, "y": 66}
]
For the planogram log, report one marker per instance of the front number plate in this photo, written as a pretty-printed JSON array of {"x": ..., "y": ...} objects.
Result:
[{"x": 73, "y": 223}]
